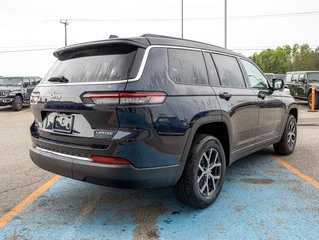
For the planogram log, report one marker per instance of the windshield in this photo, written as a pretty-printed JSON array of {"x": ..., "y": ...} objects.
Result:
[
  {"x": 269, "y": 76},
  {"x": 313, "y": 77},
  {"x": 111, "y": 63},
  {"x": 10, "y": 81}
]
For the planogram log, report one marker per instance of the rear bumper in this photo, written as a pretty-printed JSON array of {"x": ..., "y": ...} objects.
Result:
[{"x": 121, "y": 176}]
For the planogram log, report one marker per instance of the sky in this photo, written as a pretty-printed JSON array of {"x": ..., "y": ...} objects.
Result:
[{"x": 253, "y": 25}]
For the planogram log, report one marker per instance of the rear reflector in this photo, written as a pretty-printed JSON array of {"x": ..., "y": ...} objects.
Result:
[
  {"x": 126, "y": 98},
  {"x": 110, "y": 160}
]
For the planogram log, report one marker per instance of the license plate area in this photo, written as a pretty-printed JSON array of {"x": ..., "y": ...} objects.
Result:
[{"x": 63, "y": 123}]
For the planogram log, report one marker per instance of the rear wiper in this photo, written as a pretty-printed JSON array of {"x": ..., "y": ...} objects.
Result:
[{"x": 59, "y": 79}]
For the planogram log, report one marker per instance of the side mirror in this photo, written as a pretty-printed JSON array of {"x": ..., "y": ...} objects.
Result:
[
  {"x": 277, "y": 84},
  {"x": 24, "y": 85},
  {"x": 303, "y": 80}
]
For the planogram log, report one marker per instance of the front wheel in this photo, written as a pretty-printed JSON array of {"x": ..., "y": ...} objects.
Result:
[
  {"x": 288, "y": 140},
  {"x": 203, "y": 176},
  {"x": 17, "y": 103}
]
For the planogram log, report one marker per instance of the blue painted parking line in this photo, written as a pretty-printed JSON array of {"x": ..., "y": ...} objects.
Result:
[{"x": 260, "y": 200}]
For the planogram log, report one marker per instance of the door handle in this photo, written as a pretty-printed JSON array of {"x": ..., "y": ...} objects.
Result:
[
  {"x": 225, "y": 95},
  {"x": 262, "y": 95}
]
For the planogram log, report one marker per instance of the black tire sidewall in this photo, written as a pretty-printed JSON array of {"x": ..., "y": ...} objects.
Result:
[
  {"x": 309, "y": 101},
  {"x": 17, "y": 103},
  {"x": 291, "y": 118},
  {"x": 316, "y": 100},
  {"x": 205, "y": 144}
]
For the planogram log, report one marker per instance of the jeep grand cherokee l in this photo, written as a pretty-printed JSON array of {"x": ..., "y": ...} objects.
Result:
[{"x": 156, "y": 111}]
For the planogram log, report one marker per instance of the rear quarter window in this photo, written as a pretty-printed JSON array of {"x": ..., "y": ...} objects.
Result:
[{"x": 187, "y": 67}]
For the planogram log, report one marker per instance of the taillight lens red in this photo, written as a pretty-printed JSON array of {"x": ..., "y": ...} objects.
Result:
[
  {"x": 126, "y": 98},
  {"x": 110, "y": 160}
]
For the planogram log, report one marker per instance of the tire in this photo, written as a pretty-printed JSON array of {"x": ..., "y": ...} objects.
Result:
[
  {"x": 287, "y": 143},
  {"x": 17, "y": 103},
  {"x": 195, "y": 187},
  {"x": 316, "y": 101}
]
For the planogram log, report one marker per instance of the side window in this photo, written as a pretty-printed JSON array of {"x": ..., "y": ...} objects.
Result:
[
  {"x": 288, "y": 78},
  {"x": 229, "y": 71},
  {"x": 26, "y": 82},
  {"x": 256, "y": 78},
  {"x": 301, "y": 77},
  {"x": 187, "y": 67},
  {"x": 33, "y": 82},
  {"x": 294, "y": 77},
  {"x": 211, "y": 69}
]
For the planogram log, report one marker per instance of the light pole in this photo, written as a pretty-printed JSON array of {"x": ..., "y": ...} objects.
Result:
[
  {"x": 182, "y": 19},
  {"x": 66, "y": 23},
  {"x": 225, "y": 24}
]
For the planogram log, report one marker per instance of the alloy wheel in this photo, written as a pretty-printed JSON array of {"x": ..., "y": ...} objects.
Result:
[
  {"x": 209, "y": 172},
  {"x": 291, "y": 134}
]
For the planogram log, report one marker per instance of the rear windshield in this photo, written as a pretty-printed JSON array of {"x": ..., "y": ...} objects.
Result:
[
  {"x": 313, "y": 77},
  {"x": 110, "y": 63}
]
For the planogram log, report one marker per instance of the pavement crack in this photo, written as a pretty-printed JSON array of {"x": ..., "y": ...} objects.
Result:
[{"x": 22, "y": 186}]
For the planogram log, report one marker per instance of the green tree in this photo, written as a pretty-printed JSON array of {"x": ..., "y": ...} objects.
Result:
[{"x": 286, "y": 58}]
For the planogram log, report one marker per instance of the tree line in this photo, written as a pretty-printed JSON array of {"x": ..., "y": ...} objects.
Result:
[{"x": 285, "y": 59}]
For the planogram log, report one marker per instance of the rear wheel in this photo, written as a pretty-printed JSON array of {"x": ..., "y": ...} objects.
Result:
[
  {"x": 288, "y": 140},
  {"x": 316, "y": 101},
  {"x": 203, "y": 176},
  {"x": 17, "y": 103}
]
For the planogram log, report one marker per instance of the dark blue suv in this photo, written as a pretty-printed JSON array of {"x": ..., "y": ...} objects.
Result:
[{"x": 156, "y": 111}]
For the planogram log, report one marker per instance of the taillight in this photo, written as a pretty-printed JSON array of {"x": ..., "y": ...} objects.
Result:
[
  {"x": 126, "y": 98},
  {"x": 35, "y": 96},
  {"x": 110, "y": 160}
]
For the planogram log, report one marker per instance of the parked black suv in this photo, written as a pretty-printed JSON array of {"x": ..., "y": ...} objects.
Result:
[
  {"x": 156, "y": 111},
  {"x": 15, "y": 91},
  {"x": 300, "y": 84}
]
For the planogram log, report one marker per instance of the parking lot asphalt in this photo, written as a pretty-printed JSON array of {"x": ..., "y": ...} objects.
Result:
[
  {"x": 260, "y": 198},
  {"x": 19, "y": 176}
]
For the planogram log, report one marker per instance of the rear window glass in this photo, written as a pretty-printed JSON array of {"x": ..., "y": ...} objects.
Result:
[
  {"x": 111, "y": 63},
  {"x": 229, "y": 71},
  {"x": 187, "y": 67}
]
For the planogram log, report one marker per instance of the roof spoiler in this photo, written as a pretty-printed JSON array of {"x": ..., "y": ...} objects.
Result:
[{"x": 97, "y": 44}]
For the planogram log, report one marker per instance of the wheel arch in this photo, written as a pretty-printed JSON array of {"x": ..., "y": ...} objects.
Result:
[
  {"x": 19, "y": 94},
  {"x": 293, "y": 111},
  {"x": 215, "y": 127}
]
